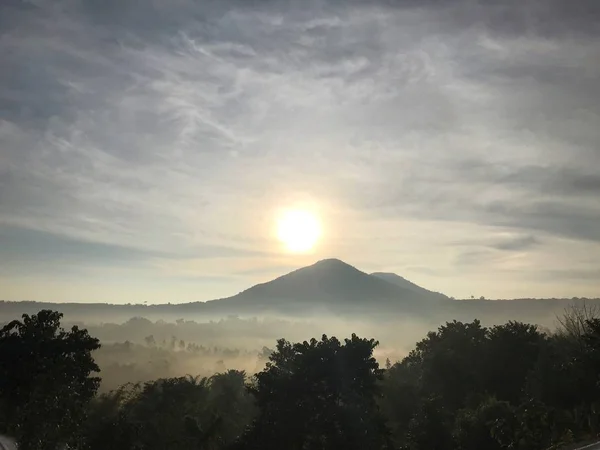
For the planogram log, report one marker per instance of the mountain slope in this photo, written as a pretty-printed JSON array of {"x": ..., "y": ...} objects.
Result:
[
  {"x": 405, "y": 284},
  {"x": 329, "y": 284}
]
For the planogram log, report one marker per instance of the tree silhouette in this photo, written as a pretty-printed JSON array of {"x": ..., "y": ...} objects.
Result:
[
  {"x": 489, "y": 426},
  {"x": 463, "y": 387},
  {"x": 45, "y": 380},
  {"x": 170, "y": 413},
  {"x": 230, "y": 400},
  {"x": 318, "y": 395},
  {"x": 511, "y": 352},
  {"x": 450, "y": 363}
]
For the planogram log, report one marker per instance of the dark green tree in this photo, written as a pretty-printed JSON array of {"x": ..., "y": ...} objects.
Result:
[
  {"x": 444, "y": 391},
  {"x": 511, "y": 352},
  {"x": 430, "y": 428},
  {"x": 318, "y": 395},
  {"x": 400, "y": 399},
  {"x": 168, "y": 414},
  {"x": 230, "y": 400},
  {"x": 450, "y": 363},
  {"x": 489, "y": 426},
  {"x": 46, "y": 380}
]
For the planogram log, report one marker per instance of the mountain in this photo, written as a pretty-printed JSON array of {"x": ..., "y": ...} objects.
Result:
[
  {"x": 328, "y": 286},
  {"x": 405, "y": 284},
  {"x": 331, "y": 285}
]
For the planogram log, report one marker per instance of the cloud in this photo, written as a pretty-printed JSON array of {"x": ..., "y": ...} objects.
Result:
[
  {"x": 519, "y": 243},
  {"x": 569, "y": 275},
  {"x": 132, "y": 131},
  {"x": 31, "y": 244}
]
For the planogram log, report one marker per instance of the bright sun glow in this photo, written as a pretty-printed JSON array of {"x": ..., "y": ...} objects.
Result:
[{"x": 299, "y": 230}]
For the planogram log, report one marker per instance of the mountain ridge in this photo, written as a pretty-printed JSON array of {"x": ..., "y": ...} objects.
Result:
[
  {"x": 403, "y": 282},
  {"x": 329, "y": 284}
]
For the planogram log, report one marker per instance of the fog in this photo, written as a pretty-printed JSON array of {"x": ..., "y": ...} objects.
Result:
[
  {"x": 142, "y": 343},
  {"x": 139, "y": 349}
]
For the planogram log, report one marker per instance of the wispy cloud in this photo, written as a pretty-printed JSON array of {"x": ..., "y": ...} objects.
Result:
[{"x": 178, "y": 128}]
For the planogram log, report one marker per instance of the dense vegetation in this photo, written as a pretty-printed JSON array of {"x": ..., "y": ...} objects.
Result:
[{"x": 463, "y": 387}]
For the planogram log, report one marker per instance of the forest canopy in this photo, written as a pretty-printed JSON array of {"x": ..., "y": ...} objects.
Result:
[{"x": 463, "y": 386}]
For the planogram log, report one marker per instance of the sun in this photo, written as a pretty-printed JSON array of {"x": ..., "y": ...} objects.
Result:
[{"x": 299, "y": 230}]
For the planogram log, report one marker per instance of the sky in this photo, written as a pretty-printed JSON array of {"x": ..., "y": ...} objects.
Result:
[{"x": 147, "y": 148}]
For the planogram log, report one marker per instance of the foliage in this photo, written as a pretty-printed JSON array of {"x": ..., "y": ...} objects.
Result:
[
  {"x": 490, "y": 425},
  {"x": 318, "y": 395},
  {"x": 510, "y": 386},
  {"x": 173, "y": 413},
  {"x": 463, "y": 387},
  {"x": 45, "y": 380}
]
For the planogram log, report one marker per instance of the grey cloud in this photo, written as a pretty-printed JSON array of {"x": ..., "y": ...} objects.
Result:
[
  {"x": 475, "y": 257},
  {"x": 589, "y": 183},
  {"x": 20, "y": 244},
  {"x": 27, "y": 245},
  {"x": 513, "y": 17},
  {"x": 519, "y": 243},
  {"x": 143, "y": 125},
  {"x": 561, "y": 181},
  {"x": 583, "y": 275},
  {"x": 557, "y": 218},
  {"x": 475, "y": 251},
  {"x": 566, "y": 217}
]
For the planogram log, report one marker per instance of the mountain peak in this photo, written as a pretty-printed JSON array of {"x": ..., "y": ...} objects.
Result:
[
  {"x": 334, "y": 285},
  {"x": 329, "y": 263},
  {"x": 325, "y": 282},
  {"x": 330, "y": 285}
]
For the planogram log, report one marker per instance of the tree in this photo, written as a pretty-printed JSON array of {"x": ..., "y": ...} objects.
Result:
[
  {"x": 489, "y": 426},
  {"x": 400, "y": 400},
  {"x": 511, "y": 353},
  {"x": 458, "y": 378},
  {"x": 575, "y": 321},
  {"x": 430, "y": 427},
  {"x": 449, "y": 363},
  {"x": 318, "y": 395},
  {"x": 230, "y": 400},
  {"x": 45, "y": 380},
  {"x": 166, "y": 414}
]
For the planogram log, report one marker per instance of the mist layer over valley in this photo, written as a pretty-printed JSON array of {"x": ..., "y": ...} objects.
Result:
[{"x": 142, "y": 343}]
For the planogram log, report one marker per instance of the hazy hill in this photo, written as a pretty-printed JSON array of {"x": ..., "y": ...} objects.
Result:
[
  {"x": 405, "y": 284},
  {"x": 329, "y": 284}
]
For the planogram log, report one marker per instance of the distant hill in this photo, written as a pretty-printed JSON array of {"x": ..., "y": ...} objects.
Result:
[
  {"x": 405, "y": 284},
  {"x": 328, "y": 284}
]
